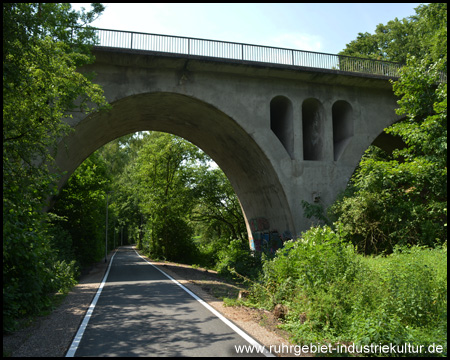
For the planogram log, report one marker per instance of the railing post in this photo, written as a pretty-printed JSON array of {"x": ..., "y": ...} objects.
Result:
[{"x": 131, "y": 41}]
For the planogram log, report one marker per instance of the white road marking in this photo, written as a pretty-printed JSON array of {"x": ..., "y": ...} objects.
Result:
[
  {"x": 76, "y": 341},
  {"x": 240, "y": 332}
]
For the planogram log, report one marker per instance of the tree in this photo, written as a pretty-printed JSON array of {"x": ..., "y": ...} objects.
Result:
[
  {"x": 401, "y": 198},
  {"x": 218, "y": 209},
  {"x": 431, "y": 33},
  {"x": 120, "y": 156},
  {"x": 166, "y": 169},
  {"x": 80, "y": 207},
  {"x": 40, "y": 88},
  {"x": 421, "y": 35}
]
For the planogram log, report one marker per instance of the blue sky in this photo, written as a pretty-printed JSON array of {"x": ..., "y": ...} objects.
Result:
[{"x": 315, "y": 27}]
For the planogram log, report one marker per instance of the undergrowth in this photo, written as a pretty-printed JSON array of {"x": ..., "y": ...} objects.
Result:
[{"x": 335, "y": 295}]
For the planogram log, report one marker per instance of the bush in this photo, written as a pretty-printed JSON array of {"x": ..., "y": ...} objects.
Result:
[
  {"x": 308, "y": 276},
  {"x": 209, "y": 249},
  {"x": 32, "y": 276},
  {"x": 238, "y": 258},
  {"x": 410, "y": 305},
  {"x": 392, "y": 204},
  {"x": 334, "y": 294}
]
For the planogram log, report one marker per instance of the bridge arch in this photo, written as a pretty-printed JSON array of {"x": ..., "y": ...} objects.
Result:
[
  {"x": 243, "y": 161},
  {"x": 231, "y": 109},
  {"x": 388, "y": 142}
]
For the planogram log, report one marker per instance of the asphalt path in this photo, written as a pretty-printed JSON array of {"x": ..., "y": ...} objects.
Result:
[{"x": 142, "y": 312}]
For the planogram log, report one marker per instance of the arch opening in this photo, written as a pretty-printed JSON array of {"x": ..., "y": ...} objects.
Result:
[
  {"x": 313, "y": 129},
  {"x": 342, "y": 115},
  {"x": 388, "y": 142},
  {"x": 281, "y": 122},
  {"x": 243, "y": 161}
]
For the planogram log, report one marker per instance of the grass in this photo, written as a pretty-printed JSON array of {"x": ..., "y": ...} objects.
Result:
[{"x": 334, "y": 295}]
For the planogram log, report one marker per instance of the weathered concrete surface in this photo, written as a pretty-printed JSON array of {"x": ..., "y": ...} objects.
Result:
[{"x": 225, "y": 108}]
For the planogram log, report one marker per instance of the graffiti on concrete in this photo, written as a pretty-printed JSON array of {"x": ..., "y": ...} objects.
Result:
[
  {"x": 259, "y": 224},
  {"x": 265, "y": 239}
]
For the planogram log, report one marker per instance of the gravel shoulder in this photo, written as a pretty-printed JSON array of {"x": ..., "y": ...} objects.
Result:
[{"x": 51, "y": 335}]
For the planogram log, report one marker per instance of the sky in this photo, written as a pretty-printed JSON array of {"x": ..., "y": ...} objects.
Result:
[{"x": 317, "y": 27}]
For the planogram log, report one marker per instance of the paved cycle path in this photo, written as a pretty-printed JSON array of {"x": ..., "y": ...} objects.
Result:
[{"x": 141, "y": 312}]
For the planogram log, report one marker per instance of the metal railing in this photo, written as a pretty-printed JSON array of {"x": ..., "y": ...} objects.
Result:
[{"x": 245, "y": 52}]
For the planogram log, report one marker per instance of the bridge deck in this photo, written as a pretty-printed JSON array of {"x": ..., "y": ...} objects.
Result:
[{"x": 248, "y": 53}]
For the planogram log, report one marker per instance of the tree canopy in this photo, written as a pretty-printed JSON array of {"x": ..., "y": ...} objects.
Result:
[
  {"x": 41, "y": 52},
  {"x": 402, "y": 198},
  {"x": 423, "y": 35}
]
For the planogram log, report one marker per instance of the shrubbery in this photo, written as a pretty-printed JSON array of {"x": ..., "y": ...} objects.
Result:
[
  {"x": 237, "y": 257},
  {"x": 393, "y": 203},
  {"x": 47, "y": 274},
  {"x": 333, "y": 294}
]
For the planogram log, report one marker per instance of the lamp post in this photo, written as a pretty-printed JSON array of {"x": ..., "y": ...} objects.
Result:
[
  {"x": 106, "y": 235},
  {"x": 114, "y": 227}
]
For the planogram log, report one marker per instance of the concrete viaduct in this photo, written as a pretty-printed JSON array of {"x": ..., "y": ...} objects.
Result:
[{"x": 281, "y": 133}]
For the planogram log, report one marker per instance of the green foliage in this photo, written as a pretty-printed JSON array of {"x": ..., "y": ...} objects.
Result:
[
  {"x": 169, "y": 186},
  {"x": 315, "y": 211},
  {"x": 402, "y": 199},
  {"x": 164, "y": 192},
  {"x": 334, "y": 294},
  {"x": 209, "y": 249},
  {"x": 82, "y": 202},
  {"x": 311, "y": 263},
  {"x": 217, "y": 213},
  {"x": 236, "y": 257},
  {"x": 165, "y": 173},
  {"x": 119, "y": 157},
  {"x": 420, "y": 35},
  {"x": 40, "y": 87},
  {"x": 431, "y": 32},
  {"x": 404, "y": 298},
  {"x": 170, "y": 238},
  {"x": 46, "y": 273},
  {"x": 390, "y": 207}
]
